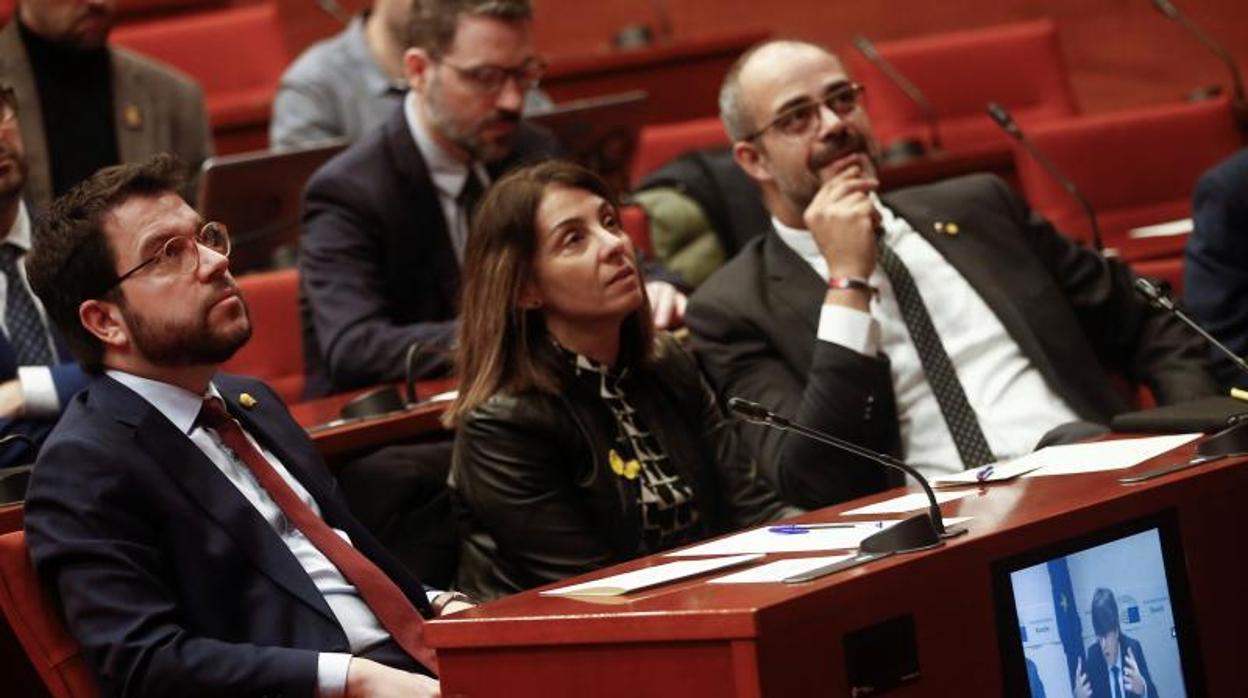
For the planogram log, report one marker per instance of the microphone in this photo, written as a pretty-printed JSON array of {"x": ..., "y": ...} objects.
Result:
[
  {"x": 1239, "y": 105},
  {"x": 1007, "y": 124},
  {"x": 333, "y": 9},
  {"x": 918, "y": 532},
  {"x": 1160, "y": 299},
  {"x": 909, "y": 89}
]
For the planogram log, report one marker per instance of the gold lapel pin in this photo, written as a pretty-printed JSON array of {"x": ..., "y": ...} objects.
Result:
[
  {"x": 947, "y": 228},
  {"x": 246, "y": 400},
  {"x": 132, "y": 116}
]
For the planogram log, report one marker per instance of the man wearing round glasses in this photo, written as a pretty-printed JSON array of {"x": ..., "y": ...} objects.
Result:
[{"x": 945, "y": 324}]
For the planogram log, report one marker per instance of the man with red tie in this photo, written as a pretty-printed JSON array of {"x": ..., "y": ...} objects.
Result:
[{"x": 192, "y": 534}]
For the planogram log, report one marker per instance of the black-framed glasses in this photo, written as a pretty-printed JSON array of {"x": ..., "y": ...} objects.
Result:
[
  {"x": 490, "y": 79},
  {"x": 8, "y": 104},
  {"x": 802, "y": 118},
  {"x": 180, "y": 253}
]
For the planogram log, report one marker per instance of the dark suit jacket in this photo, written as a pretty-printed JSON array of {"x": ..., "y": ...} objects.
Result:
[
  {"x": 1098, "y": 672},
  {"x": 538, "y": 500},
  {"x": 377, "y": 268},
  {"x": 68, "y": 379},
  {"x": 1215, "y": 272},
  {"x": 1073, "y": 313},
  {"x": 170, "y": 580}
]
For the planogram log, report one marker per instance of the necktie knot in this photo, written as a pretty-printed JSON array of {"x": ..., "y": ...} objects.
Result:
[{"x": 213, "y": 414}]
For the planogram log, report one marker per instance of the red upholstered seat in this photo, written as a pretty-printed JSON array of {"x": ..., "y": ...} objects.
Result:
[
  {"x": 1136, "y": 168},
  {"x": 37, "y": 625},
  {"x": 661, "y": 143},
  {"x": 1018, "y": 65},
  {"x": 236, "y": 54},
  {"x": 275, "y": 352},
  {"x": 637, "y": 225}
]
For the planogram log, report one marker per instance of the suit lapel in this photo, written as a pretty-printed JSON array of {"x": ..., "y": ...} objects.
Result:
[
  {"x": 15, "y": 69},
  {"x": 190, "y": 470},
  {"x": 796, "y": 292},
  {"x": 134, "y": 112}
]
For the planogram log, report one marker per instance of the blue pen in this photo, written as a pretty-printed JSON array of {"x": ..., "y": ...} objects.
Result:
[
  {"x": 984, "y": 473},
  {"x": 789, "y": 529}
]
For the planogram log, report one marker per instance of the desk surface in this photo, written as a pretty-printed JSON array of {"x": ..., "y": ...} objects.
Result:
[
  {"x": 740, "y": 639},
  {"x": 334, "y": 437}
]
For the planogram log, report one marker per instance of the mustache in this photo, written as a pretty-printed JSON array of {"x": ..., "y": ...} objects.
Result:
[
  {"x": 503, "y": 116},
  {"x": 835, "y": 147}
]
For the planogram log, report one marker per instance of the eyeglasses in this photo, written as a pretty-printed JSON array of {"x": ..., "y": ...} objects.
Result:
[
  {"x": 8, "y": 105},
  {"x": 180, "y": 254},
  {"x": 490, "y": 79},
  {"x": 801, "y": 119}
]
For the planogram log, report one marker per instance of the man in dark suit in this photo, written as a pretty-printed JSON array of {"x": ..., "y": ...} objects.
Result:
[
  {"x": 386, "y": 221},
  {"x": 1115, "y": 665},
  {"x": 978, "y": 330},
  {"x": 190, "y": 530},
  {"x": 1215, "y": 271},
  {"x": 37, "y": 374}
]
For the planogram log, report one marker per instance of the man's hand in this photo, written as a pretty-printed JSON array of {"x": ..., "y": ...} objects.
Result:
[
  {"x": 842, "y": 218},
  {"x": 1083, "y": 688},
  {"x": 667, "y": 305},
  {"x": 11, "y": 400},
  {"x": 1131, "y": 675},
  {"x": 368, "y": 679}
]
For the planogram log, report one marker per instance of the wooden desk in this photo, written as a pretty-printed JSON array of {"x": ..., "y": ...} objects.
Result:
[
  {"x": 337, "y": 439},
  {"x": 995, "y": 158},
  {"x": 694, "y": 639}
]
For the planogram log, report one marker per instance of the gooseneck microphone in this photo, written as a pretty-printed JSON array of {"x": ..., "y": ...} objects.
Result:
[
  {"x": 1160, "y": 299},
  {"x": 333, "y": 9},
  {"x": 1007, "y": 124},
  {"x": 1239, "y": 105},
  {"x": 909, "y": 89},
  {"x": 915, "y": 533}
]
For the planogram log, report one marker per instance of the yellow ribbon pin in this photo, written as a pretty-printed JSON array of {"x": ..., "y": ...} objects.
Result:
[
  {"x": 625, "y": 469},
  {"x": 246, "y": 400}
]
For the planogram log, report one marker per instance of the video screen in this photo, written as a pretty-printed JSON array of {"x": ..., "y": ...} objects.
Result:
[{"x": 1100, "y": 622}]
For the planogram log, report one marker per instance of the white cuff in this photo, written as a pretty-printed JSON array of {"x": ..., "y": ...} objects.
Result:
[
  {"x": 849, "y": 328},
  {"x": 39, "y": 398},
  {"x": 331, "y": 674}
]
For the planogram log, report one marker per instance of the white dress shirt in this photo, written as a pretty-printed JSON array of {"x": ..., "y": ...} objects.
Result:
[
  {"x": 448, "y": 175},
  {"x": 1014, "y": 404},
  {"x": 358, "y": 622},
  {"x": 39, "y": 398}
]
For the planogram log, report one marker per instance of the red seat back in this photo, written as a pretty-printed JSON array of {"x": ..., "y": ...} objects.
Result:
[
  {"x": 38, "y": 626},
  {"x": 661, "y": 143},
  {"x": 637, "y": 225},
  {"x": 275, "y": 352},
  {"x": 1135, "y": 167},
  {"x": 1019, "y": 65},
  {"x": 236, "y": 54}
]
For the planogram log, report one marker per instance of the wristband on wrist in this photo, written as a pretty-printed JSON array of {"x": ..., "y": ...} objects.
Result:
[
  {"x": 441, "y": 601},
  {"x": 852, "y": 283}
]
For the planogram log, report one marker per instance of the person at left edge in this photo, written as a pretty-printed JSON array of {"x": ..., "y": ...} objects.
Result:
[
  {"x": 188, "y": 527},
  {"x": 37, "y": 374},
  {"x": 582, "y": 439}
]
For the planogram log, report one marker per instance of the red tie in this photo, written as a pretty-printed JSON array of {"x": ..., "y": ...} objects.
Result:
[{"x": 387, "y": 601}]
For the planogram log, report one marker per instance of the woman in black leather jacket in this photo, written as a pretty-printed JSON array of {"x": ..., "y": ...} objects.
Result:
[{"x": 582, "y": 440}]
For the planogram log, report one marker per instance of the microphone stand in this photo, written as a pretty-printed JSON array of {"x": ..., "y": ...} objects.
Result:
[
  {"x": 919, "y": 532},
  {"x": 1239, "y": 105},
  {"x": 1003, "y": 119},
  {"x": 1232, "y": 440},
  {"x": 909, "y": 89}
]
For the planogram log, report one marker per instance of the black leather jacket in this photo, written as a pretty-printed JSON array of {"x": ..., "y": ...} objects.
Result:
[{"x": 537, "y": 501}]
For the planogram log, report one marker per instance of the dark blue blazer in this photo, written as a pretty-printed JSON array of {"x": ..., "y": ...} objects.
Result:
[
  {"x": 1098, "y": 672},
  {"x": 168, "y": 577},
  {"x": 1215, "y": 272},
  {"x": 68, "y": 378}
]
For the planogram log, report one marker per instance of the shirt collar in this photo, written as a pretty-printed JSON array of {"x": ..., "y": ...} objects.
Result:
[
  {"x": 19, "y": 233},
  {"x": 803, "y": 243},
  {"x": 375, "y": 79},
  {"x": 447, "y": 172},
  {"x": 179, "y": 405}
]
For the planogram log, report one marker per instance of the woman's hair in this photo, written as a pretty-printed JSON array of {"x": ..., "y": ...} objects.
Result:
[{"x": 500, "y": 345}]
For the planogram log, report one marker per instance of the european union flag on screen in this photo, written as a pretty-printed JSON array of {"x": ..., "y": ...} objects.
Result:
[
  {"x": 1069, "y": 628},
  {"x": 1133, "y": 614}
]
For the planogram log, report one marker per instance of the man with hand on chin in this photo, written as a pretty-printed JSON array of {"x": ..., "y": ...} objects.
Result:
[
  {"x": 944, "y": 324},
  {"x": 194, "y": 537}
]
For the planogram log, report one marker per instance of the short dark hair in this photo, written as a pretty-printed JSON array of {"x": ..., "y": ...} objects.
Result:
[
  {"x": 432, "y": 23},
  {"x": 1104, "y": 612},
  {"x": 71, "y": 260},
  {"x": 502, "y": 347}
]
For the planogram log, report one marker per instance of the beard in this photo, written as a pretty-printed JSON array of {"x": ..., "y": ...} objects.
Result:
[
  {"x": 799, "y": 186},
  {"x": 177, "y": 344},
  {"x": 469, "y": 136},
  {"x": 12, "y": 177}
]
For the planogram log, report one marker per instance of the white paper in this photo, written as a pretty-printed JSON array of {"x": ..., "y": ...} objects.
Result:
[
  {"x": 905, "y": 503},
  {"x": 779, "y": 570},
  {"x": 1183, "y": 226},
  {"x": 1006, "y": 470},
  {"x": 765, "y": 540},
  {"x": 648, "y": 577},
  {"x": 1103, "y": 455}
]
